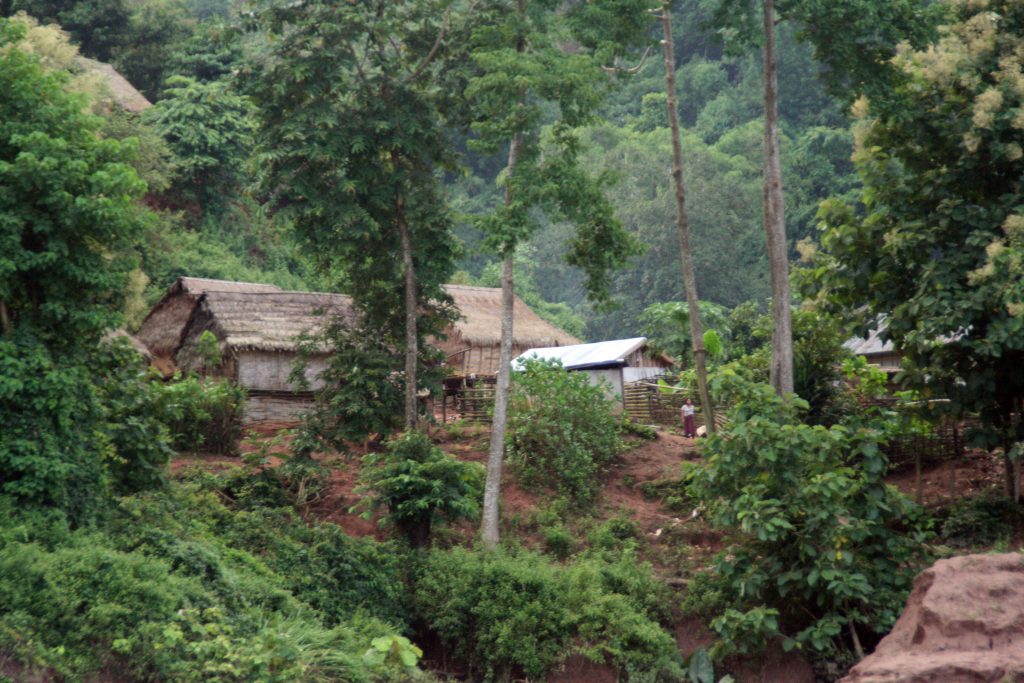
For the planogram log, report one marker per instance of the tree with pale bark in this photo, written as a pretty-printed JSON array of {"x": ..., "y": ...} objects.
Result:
[{"x": 538, "y": 77}]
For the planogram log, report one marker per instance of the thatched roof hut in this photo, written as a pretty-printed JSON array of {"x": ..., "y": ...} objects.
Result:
[
  {"x": 122, "y": 93},
  {"x": 163, "y": 329},
  {"x": 474, "y": 340},
  {"x": 253, "y": 323}
]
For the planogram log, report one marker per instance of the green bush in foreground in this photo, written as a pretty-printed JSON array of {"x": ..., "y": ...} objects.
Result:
[
  {"x": 178, "y": 587},
  {"x": 823, "y": 546},
  {"x": 503, "y": 612},
  {"x": 561, "y": 430},
  {"x": 420, "y": 485}
]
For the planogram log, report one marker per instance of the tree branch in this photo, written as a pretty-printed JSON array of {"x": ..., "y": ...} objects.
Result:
[
  {"x": 429, "y": 57},
  {"x": 630, "y": 70}
]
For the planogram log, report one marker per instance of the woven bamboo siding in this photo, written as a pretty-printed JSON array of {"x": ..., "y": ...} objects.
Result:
[
  {"x": 276, "y": 408},
  {"x": 269, "y": 370}
]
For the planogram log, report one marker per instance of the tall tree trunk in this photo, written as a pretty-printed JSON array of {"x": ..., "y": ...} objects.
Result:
[
  {"x": 489, "y": 533},
  {"x": 5, "y": 318},
  {"x": 683, "y": 227},
  {"x": 774, "y": 219},
  {"x": 496, "y": 453},
  {"x": 411, "y": 310}
]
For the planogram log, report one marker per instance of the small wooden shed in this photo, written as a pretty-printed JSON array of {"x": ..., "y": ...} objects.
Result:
[{"x": 473, "y": 342}]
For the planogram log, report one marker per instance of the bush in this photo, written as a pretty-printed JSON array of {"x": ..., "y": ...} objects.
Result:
[
  {"x": 503, "y": 612},
  {"x": 77, "y": 426},
  {"x": 980, "y": 522},
  {"x": 203, "y": 413},
  {"x": 420, "y": 484},
  {"x": 561, "y": 430},
  {"x": 821, "y": 540},
  {"x": 180, "y": 588}
]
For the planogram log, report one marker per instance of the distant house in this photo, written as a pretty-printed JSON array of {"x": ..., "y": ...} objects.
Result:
[
  {"x": 122, "y": 93},
  {"x": 256, "y": 327},
  {"x": 617, "y": 362},
  {"x": 473, "y": 342},
  {"x": 163, "y": 330},
  {"x": 877, "y": 351}
]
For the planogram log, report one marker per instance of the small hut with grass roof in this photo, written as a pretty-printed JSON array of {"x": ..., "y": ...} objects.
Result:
[
  {"x": 474, "y": 341},
  {"x": 256, "y": 328}
]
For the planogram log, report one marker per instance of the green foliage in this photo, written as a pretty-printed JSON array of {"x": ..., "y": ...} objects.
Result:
[
  {"x": 178, "y": 587},
  {"x": 504, "y": 612},
  {"x": 521, "y": 79},
  {"x": 559, "y": 541},
  {"x": 354, "y": 160},
  {"x": 822, "y": 542},
  {"x": 420, "y": 484},
  {"x": 361, "y": 395},
  {"x": 396, "y": 651},
  {"x": 66, "y": 208},
  {"x": 562, "y": 432},
  {"x": 938, "y": 252},
  {"x": 210, "y": 129},
  {"x": 77, "y": 427},
  {"x": 980, "y": 522},
  {"x": 202, "y": 413}
]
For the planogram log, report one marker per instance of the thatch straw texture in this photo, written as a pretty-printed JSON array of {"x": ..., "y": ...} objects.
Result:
[
  {"x": 122, "y": 92},
  {"x": 163, "y": 329},
  {"x": 270, "y": 321},
  {"x": 481, "y": 320}
]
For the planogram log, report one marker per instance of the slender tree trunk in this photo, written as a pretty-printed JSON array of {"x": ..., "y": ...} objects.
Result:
[
  {"x": 496, "y": 454},
  {"x": 411, "y": 310},
  {"x": 489, "y": 533},
  {"x": 683, "y": 227},
  {"x": 5, "y": 318},
  {"x": 774, "y": 219}
]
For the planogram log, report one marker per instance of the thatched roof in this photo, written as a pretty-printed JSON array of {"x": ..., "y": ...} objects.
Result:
[
  {"x": 481, "y": 320},
  {"x": 269, "y": 321},
  {"x": 163, "y": 329},
  {"x": 122, "y": 92},
  {"x": 199, "y": 285}
]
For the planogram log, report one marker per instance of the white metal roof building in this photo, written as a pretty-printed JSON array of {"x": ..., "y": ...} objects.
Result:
[{"x": 616, "y": 362}]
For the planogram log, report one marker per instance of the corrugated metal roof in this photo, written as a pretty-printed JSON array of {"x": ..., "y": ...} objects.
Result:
[
  {"x": 873, "y": 345},
  {"x": 579, "y": 356}
]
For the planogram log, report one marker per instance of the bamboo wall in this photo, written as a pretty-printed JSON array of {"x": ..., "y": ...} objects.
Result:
[
  {"x": 269, "y": 370},
  {"x": 272, "y": 407}
]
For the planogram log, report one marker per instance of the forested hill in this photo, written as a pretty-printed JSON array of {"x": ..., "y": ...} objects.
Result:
[
  {"x": 196, "y": 145},
  {"x": 721, "y": 107}
]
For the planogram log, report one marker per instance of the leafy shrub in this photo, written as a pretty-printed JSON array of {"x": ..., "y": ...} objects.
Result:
[
  {"x": 77, "y": 426},
  {"x": 561, "y": 430},
  {"x": 614, "y": 533},
  {"x": 180, "y": 588},
  {"x": 420, "y": 484},
  {"x": 980, "y": 521},
  {"x": 203, "y": 413},
  {"x": 559, "y": 541},
  {"x": 503, "y": 612},
  {"x": 821, "y": 538}
]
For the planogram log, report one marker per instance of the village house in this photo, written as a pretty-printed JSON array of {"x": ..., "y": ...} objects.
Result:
[
  {"x": 473, "y": 342},
  {"x": 257, "y": 325},
  {"x": 615, "y": 364}
]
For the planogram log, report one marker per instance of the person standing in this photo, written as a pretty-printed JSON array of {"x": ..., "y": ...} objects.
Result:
[{"x": 689, "y": 420}]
